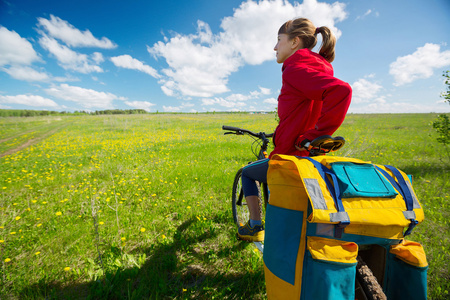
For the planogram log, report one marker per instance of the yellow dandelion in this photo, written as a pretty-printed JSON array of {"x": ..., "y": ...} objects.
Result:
[
  {"x": 17, "y": 218},
  {"x": 142, "y": 229},
  {"x": 188, "y": 207},
  {"x": 38, "y": 225},
  {"x": 12, "y": 232},
  {"x": 163, "y": 236},
  {"x": 2, "y": 241},
  {"x": 123, "y": 239},
  {"x": 59, "y": 213},
  {"x": 67, "y": 269},
  {"x": 101, "y": 223},
  {"x": 37, "y": 253},
  {"x": 7, "y": 260}
]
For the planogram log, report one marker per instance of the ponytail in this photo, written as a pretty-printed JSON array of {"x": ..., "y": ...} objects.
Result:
[
  {"x": 307, "y": 32},
  {"x": 328, "y": 43}
]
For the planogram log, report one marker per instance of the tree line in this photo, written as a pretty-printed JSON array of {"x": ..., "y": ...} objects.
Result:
[{"x": 35, "y": 113}]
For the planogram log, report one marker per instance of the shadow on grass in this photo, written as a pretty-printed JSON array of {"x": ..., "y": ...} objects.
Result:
[
  {"x": 424, "y": 170},
  {"x": 173, "y": 270}
]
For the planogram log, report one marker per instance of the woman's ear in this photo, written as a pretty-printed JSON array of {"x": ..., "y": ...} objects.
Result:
[{"x": 295, "y": 43}]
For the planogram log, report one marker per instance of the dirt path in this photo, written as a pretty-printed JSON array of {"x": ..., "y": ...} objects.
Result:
[
  {"x": 31, "y": 141},
  {"x": 10, "y": 138}
]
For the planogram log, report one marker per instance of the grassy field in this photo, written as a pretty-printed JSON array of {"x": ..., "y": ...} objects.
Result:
[{"x": 131, "y": 207}]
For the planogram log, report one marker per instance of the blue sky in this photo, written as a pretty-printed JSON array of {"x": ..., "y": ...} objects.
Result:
[{"x": 214, "y": 55}]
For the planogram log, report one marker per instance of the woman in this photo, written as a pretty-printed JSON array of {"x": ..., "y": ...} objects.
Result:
[{"x": 312, "y": 103}]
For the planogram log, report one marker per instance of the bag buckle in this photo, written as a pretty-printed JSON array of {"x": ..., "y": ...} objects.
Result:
[
  {"x": 339, "y": 229},
  {"x": 411, "y": 227}
]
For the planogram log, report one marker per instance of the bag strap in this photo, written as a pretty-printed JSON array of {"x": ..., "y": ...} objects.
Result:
[
  {"x": 335, "y": 193},
  {"x": 403, "y": 189}
]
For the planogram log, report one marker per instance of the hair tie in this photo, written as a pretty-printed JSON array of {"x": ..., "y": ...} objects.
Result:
[{"x": 317, "y": 30}]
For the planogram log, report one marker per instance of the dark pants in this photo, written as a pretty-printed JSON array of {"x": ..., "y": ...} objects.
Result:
[{"x": 256, "y": 171}]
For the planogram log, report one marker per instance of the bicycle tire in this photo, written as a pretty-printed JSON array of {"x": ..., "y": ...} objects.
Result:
[
  {"x": 368, "y": 282},
  {"x": 239, "y": 205}
]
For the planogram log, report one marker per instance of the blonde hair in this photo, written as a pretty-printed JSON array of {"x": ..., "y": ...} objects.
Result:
[{"x": 307, "y": 32}]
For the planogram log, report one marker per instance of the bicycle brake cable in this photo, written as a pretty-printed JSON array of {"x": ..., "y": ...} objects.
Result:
[{"x": 258, "y": 144}]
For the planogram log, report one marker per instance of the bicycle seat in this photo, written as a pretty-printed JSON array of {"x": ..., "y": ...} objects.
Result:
[{"x": 325, "y": 144}]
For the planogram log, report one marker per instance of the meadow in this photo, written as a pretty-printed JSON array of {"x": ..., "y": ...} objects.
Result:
[{"x": 138, "y": 206}]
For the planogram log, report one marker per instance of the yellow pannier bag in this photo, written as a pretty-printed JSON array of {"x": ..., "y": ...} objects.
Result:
[
  {"x": 325, "y": 211},
  {"x": 357, "y": 196}
]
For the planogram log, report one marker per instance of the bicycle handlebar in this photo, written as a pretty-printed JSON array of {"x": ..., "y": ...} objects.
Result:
[
  {"x": 242, "y": 131},
  {"x": 319, "y": 146}
]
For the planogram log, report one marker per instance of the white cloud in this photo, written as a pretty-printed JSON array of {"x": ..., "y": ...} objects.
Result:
[
  {"x": 223, "y": 102},
  {"x": 420, "y": 64},
  {"x": 195, "y": 69},
  {"x": 364, "y": 91},
  {"x": 200, "y": 63},
  {"x": 238, "y": 97},
  {"x": 237, "y": 101},
  {"x": 128, "y": 62},
  {"x": 145, "y": 105},
  {"x": 15, "y": 50},
  {"x": 86, "y": 97},
  {"x": 69, "y": 59},
  {"x": 273, "y": 101},
  {"x": 183, "y": 107},
  {"x": 252, "y": 95},
  {"x": 368, "y": 12},
  {"x": 16, "y": 55},
  {"x": 171, "y": 108},
  {"x": 253, "y": 28},
  {"x": 26, "y": 73},
  {"x": 380, "y": 105},
  {"x": 97, "y": 57},
  {"x": 71, "y": 36},
  {"x": 29, "y": 100},
  {"x": 265, "y": 91}
]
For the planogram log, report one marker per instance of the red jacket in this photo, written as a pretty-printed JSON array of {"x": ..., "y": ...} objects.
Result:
[{"x": 311, "y": 103}]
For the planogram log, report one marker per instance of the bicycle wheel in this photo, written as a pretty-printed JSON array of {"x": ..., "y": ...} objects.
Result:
[
  {"x": 239, "y": 205},
  {"x": 366, "y": 283}
]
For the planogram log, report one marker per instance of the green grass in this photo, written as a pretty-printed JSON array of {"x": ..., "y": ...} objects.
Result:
[{"x": 139, "y": 206}]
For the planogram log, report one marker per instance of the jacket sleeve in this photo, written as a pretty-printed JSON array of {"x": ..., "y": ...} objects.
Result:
[{"x": 319, "y": 86}]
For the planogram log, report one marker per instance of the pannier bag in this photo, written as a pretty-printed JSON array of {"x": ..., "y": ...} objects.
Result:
[{"x": 325, "y": 211}]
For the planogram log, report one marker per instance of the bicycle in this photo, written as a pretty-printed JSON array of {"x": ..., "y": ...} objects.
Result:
[{"x": 319, "y": 146}]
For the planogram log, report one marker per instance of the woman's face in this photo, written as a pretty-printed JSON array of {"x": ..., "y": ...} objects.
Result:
[{"x": 286, "y": 47}]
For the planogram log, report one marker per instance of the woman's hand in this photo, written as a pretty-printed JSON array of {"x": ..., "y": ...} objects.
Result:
[{"x": 300, "y": 149}]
